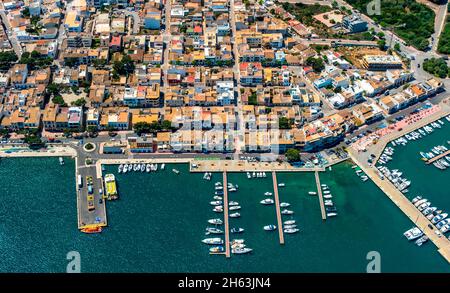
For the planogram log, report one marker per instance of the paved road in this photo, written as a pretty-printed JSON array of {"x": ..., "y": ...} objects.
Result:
[
  {"x": 240, "y": 139},
  {"x": 10, "y": 33}
]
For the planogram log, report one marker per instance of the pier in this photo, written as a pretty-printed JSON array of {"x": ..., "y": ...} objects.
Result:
[
  {"x": 97, "y": 216},
  {"x": 437, "y": 157},
  {"x": 319, "y": 193},
  {"x": 401, "y": 201},
  {"x": 225, "y": 214},
  {"x": 277, "y": 206}
]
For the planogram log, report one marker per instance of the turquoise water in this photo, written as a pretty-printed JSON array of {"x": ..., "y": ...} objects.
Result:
[
  {"x": 434, "y": 185},
  {"x": 158, "y": 223}
]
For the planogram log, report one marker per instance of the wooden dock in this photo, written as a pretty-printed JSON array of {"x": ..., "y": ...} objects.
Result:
[
  {"x": 319, "y": 192},
  {"x": 277, "y": 206},
  {"x": 438, "y": 157},
  {"x": 225, "y": 215}
]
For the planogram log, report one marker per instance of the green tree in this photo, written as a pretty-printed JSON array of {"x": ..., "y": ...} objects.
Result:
[
  {"x": 80, "y": 102},
  {"x": 7, "y": 59},
  {"x": 316, "y": 63},
  {"x": 292, "y": 155},
  {"x": 284, "y": 123},
  {"x": 58, "y": 99},
  {"x": 124, "y": 66}
]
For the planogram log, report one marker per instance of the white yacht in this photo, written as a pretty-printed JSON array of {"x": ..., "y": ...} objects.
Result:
[
  {"x": 267, "y": 201},
  {"x": 413, "y": 233}
]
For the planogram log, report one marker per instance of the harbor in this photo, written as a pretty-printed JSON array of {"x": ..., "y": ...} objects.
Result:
[{"x": 381, "y": 154}]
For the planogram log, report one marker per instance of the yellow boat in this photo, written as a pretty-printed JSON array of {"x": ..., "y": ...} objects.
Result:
[
  {"x": 90, "y": 229},
  {"x": 110, "y": 187}
]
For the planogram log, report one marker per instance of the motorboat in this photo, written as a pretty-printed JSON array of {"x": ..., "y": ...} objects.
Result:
[
  {"x": 234, "y": 215},
  {"x": 233, "y": 203},
  {"x": 291, "y": 231},
  {"x": 267, "y": 193},
  {"x": 289, "y": 226},
  {"x": 213, "y": 241},
  {"x": 281, "y": 185},
  {"x": 215, "y": 202},
  {"x": 267, "y": 201},
  {"x": 287, "y": 212},
  {"x": 413, "y": 233},
  {"x": 234, "y": 208},
  {"x": 241, "y": 250},
  {"x": 289, "y": 222},
  {"x": 215, "y": 221},
  {"x": 213, "y": 230},
  {"x": 269, "y": 227},
  {"x": 284, "y": 204},
  {"x": 237, "y": 230},
  {"x": 312, "y": 193},
  {"x": 331, "y": 215},
  {"x": 216, "y": 249}
]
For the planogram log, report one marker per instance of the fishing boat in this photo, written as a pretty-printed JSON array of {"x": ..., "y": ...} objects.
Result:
[
  {"x": 234, "y": 215},
  {"x": 291, "y": 231},
  {"x": 267, "y": 201},
  {"x": 289, "y": 222},
  {"x": 287, "y": 212},
  {"x": 213, "y": 241},
  {"x": 216, "y": 249},
  {"x": 269, "y": 227},
  {"x": 215, "y": 221},
  {"x": 284, "y": 204},
  {"x": 241, "y": 250},
  {"x": 237, "y": 230}
]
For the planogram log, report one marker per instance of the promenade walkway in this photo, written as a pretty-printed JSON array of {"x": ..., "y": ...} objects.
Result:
[
  {"x": 277, "y": 206},
  {"x": 319, "y": 192}
]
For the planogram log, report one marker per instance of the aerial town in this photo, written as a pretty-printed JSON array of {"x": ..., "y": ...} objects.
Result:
[
  {"x": 253, "y": 87},
  {"x": 195, "y": 76}
]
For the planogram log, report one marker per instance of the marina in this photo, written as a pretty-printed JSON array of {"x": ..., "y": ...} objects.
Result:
[
  {"x": 396, "y": 191},
  {"x": 161, "y": 201}
]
